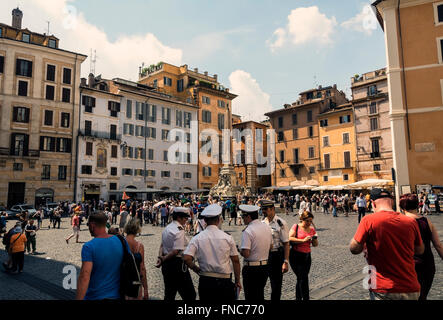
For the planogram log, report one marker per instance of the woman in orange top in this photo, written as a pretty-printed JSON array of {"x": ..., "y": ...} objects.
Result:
[{"x": 17, "y": 249}]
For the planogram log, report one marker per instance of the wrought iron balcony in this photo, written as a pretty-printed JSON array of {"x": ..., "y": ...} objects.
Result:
[
  {"x": 19, "y": 153},
  {"x": 99, "y": 134},
  {"x": 336, "y": 166}
]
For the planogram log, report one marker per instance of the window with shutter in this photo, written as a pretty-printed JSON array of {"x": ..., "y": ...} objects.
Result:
[
  {"x": 89, "y": 148},
  {"x": 113, "y": 151},
  {"x": 23, "y": 88},
  {"x": 88, "y": 128},
  {"x": 113, "y": 132},
  {"x": 347, "y": 159},
  {"x": 48, "y": 117},
  {"x": 50, "y": 72},
  {"x": 66, "y": 76},
  {"x": 129, "y": 109},
  {"x": 65, "y": 120},
  {"x": 66, "y": 95},
  {"x": 23, "y": 68},
  {"x": 327, "y": 161}
]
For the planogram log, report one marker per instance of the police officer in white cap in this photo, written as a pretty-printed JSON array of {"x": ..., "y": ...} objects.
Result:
[
  {"x": 256, "y": 243},
  {"x": 214, "y": 250},
  {"x": 175, "y": 273},
  {"x": 278, "y": 261}
]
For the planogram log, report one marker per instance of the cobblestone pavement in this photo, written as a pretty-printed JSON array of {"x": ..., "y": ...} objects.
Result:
[{"x": 335, "y": 274}]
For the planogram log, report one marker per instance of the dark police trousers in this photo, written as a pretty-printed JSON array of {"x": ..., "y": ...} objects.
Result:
[
  {"x": 216, "y": 290},
  {"x": 177, "y": 281},
  {"x": 254, "y": 282},
  {"x": 275, "y": 263}
]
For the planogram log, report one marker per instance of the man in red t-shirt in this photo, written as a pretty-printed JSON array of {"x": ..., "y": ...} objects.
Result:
[{"x": 390, "y": 240}]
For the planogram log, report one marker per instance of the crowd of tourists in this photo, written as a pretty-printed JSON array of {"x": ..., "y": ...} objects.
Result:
[{"x": 397, "y": 245}]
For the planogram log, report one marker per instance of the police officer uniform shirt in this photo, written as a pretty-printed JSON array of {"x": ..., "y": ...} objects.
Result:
[
  {"x": 280, "y": 232},
  {"x": 212, "y": 247},
  {"x": 213, "y": 250},
  {"x": 173, "y": 237},
  {"x": 257, "y": 237}
]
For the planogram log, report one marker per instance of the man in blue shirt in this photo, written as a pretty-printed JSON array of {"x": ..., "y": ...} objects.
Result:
[{"x": 101, "y": 261}]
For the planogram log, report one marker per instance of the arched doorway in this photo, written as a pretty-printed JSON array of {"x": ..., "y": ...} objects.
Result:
[{"x": 43, "y": 196}]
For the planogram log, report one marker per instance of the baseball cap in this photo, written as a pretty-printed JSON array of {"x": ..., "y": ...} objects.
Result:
[{"x": 380, "y": 193}]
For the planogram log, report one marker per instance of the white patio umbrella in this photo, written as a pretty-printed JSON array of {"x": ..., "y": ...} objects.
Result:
[
  {"x": 370, "y": 183},
  {"x": 335, "y": 188},
  {"x": 304, "y": 187},
  {"x": 321, "y": 188}
]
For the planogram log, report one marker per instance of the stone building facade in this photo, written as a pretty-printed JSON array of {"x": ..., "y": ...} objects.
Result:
[
  {"x": 414, "y": 50},
  {"x": 39, "y": 100},
  {"x": 214, "y": 104},
  {"x": 370, "y": 100},
  {"x": 99, "y": 138},
  {"x": 297, "y": 149}
]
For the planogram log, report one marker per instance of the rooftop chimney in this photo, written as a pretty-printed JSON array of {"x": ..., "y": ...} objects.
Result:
[
  {"x": 215, "y": 77},
  {"x": 196, "y": 70},
  {"x": 83, "y": 82},
  {"x": 17, "y": 16},
  {"x": 91, "y": 80},
  {"x": 206, "y": 73}
]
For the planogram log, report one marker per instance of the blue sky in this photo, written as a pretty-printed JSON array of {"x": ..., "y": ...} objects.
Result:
[{"x": 233, "y": 39}]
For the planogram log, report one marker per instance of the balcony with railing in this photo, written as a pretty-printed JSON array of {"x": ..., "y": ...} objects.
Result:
[
  {"x": 99, "y": 134},
  {"x": 19, "y": 153},
  {"x": 336, "y": 165}
]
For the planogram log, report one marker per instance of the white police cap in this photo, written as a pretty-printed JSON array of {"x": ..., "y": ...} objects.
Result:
[
  {"x": 181, "y": 211},
  {"x": 212, "y": 210},
  {"x": 248, "y": 208}
]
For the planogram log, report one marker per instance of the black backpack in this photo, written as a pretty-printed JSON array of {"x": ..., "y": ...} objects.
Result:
[{"x": 130, "y": 281}]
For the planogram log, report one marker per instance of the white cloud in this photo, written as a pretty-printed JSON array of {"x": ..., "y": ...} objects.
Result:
[
  {"x": 365, "y": 21},
  {"x": 252, "y": 103},
  {"x": 119, "y": 58},
  {"x": 305, "y": 25}
]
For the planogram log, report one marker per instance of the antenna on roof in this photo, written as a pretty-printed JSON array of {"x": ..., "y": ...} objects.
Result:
[
  {"x": 48, "y": 27},
  {"x": 92, "y": 62},
  {"x": 315, "y": 82}
]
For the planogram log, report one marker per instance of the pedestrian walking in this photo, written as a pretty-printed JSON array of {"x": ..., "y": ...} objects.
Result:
[
  {"x": 164, "y": 212},
  {"x": 334, "y": 203},
  {"x": 31, "y": 236},
  {"x": 17, "y": 250},
  {"x": 278, "y": 261},
  {"x": 102, "y": 258},
  {"x": 255, "y": 246},
  {"x": 215, "y": 251},
  {"x": 176, "y": 275},
  {"x": 132, "y": 229},
  {"x": 391, "y": 240},
  {"x": 361, "y": 206},
  {"x": 75, "y": 222},
  {"x": 123, "y": 217},
  {"x": 424, "y": 264},
  {"x": 302, "y": 236},
  {"x": 56, "y": 219}
]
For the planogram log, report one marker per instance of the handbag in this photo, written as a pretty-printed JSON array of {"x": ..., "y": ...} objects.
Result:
[{"x": 293, "y": 244}]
